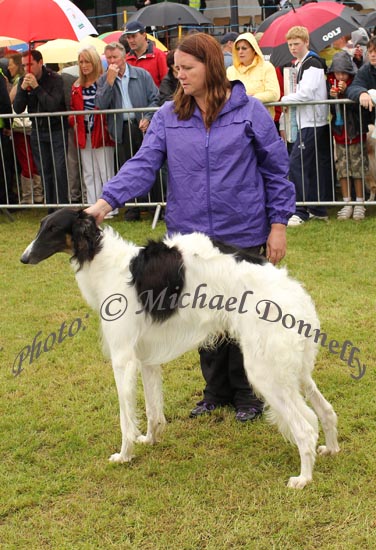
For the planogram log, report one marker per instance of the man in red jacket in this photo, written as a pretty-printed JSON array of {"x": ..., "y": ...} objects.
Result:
[{"x": 143, "y": 53}]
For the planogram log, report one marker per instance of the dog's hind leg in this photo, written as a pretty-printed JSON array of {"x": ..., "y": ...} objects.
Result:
[
  {"x": 327, "y": 416},
  {"x": 152, "y": 382},
  {"x": 125, "y": 372},
  {"x": 296, "y": 421}
]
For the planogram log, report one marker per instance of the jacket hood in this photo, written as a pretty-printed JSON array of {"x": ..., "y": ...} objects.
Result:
[
  {"x": 342, "y": 63},
  {"x": 249, "y": 37}
]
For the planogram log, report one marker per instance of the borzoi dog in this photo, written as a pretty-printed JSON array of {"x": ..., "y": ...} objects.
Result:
[{"x": 159, "y": 301}]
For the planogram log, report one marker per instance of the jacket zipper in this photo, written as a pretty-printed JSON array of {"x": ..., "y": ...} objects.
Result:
[{"x": 208, "y": 183}]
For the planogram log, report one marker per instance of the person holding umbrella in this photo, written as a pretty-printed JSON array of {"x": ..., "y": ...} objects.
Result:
[{"x": 227, "y": 170}]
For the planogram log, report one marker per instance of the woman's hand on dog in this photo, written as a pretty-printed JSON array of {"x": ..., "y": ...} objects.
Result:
[{"x": 99, "y": 210}]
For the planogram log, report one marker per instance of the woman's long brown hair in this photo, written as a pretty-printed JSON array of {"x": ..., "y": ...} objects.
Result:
[{"x": 208, "y": 51}]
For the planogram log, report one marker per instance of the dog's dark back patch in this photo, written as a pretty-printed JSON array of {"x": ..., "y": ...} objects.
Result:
[
  {"x": 158, "y": 275},
  {"x": 239, "y": 253}
]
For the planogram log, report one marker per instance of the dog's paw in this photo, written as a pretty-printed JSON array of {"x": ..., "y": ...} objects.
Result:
[
  {"x": 118, "y": 458},
  {"x": 298, "y": 482},
  {"x": 323, "y": 450},
  {"x": 146, "y": 439}
]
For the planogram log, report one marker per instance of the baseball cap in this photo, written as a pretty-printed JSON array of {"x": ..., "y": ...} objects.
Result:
[
  {"x": 229, "y": 37},
  {"x": 132, "y": 27}
]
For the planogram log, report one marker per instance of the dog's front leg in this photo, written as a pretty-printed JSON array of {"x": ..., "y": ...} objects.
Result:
[
  {"x": 152, "y": 382},
  {"x": 126, "y": 379}
]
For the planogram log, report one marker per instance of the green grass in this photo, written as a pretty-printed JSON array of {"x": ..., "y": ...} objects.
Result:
[{"x": 211, "y": 484}]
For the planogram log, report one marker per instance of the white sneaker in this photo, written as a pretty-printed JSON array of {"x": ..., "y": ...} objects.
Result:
[
  {"x": 359, "y": 212},
  {"x": 345, "y": 213},
  {"x": 294, "y": 221}
]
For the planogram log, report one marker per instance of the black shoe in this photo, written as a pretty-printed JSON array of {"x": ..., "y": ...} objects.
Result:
[
  {"x": 132, "y": 215},
  {"x": 203, "y": 407},
  {"x": 245, "y": 415}
]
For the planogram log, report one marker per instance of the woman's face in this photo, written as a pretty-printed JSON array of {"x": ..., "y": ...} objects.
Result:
[
  {"x": 13, "y": 68},
  {"x": 245, "y": 52},
  {"x": 191, "y": 74},
  {"x": 85, "y": 65}
]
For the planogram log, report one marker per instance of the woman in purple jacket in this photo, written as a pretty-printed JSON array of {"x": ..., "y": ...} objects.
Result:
[{"x": 227, "y": 174}]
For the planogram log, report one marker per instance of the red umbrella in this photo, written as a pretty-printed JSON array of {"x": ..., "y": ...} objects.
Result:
[
  {"x": 325, "y": 21},
  {"x": 42, "y": 20}
]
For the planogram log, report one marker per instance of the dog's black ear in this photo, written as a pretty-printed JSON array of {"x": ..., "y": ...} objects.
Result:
[{"x": 86, "y": 237}]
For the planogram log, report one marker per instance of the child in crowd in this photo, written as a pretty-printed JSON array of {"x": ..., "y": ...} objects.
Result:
[{"x": 350, "y": 137}]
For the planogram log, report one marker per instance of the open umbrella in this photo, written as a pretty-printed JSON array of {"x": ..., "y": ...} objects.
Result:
[
  {"x": 167, "y": 14},
  {"x": 113, "y": 36},
  {"x": 325, "y": 21},
  {"x": 369, "y": 19},
  {"x": 42, "y": 20},
  {"x": 269, "y": 20},
  {"x": 6, "y": 41},
  {"x": 63, "y": 50}
]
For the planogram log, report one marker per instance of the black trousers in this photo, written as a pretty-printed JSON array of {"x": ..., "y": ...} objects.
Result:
[
  {"x": 224, "y": 374},
  {"x": 131, "y": 141}
]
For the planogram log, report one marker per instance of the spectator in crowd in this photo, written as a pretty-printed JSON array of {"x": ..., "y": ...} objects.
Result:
[
  {"x": 310, "y": 163},
  {"x": 363, "y": 87},
  {"x": 258, "y": 76},
  {"x": 227, "y": 170},
  {"x": 91, "y": 135},
  {"x": 343, "y": 43},
  {"x": 31, "y": 183},
  {"x": 359, "y": 39},
  {"x": 268, "y": 7},
  {"x": 143, "y": 3},
  {"x": 7, "y": 195},
  {"x": 143, "y": 53},
  {"x": 227, "y": 43},
  {"x": 170, "y": 82},
  {"x": 350, "y": 137},
  {"x": 41, "y": 90},
  {"x": 125, "y": 87},
  {"x": 69, "y": 74}
]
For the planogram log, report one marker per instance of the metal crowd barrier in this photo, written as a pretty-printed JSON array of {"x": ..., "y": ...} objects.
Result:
[{"x": 10, "y": 178}]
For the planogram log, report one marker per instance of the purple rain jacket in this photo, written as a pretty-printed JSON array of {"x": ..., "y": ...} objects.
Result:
[{"x": 229, "y": 182}]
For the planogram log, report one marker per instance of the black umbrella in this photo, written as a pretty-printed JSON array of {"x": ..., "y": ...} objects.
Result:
[
  {"x": 167, "y": 14},
  {"x": 269, "y": 20},
  {"x": 368, "y": 19}
]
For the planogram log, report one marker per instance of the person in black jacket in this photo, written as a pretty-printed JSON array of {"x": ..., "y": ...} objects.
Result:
[
  {"x": 169, "y": 82},
  {"x": 41, "y": 90},
  {"x": 364, "y": 83}
]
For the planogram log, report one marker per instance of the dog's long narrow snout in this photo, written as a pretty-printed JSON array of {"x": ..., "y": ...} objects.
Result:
[{"x": 26, "y": 256}]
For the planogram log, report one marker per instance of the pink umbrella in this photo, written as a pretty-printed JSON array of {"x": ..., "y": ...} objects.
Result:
[{"x": 42, "y": 20}]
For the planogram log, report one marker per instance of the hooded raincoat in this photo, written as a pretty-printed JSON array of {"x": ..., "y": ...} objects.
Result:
[
  {"x": 259, "y": 78},
  {"x": 229, "y": 181}
]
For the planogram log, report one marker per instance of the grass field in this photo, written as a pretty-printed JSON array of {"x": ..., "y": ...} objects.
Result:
[{"x": 211, "y": 484}]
